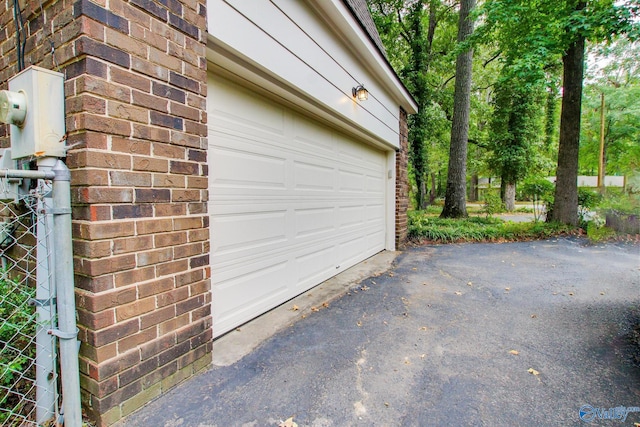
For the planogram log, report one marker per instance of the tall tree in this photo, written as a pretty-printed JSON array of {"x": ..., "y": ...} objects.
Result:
[
  {"x": 420, "y": 44},
  {"x": 408, "y": 30},
  {"x": 516, "y": 133},
  {"x": 565, "y": 206},
  {"x": 534, "y": 35},
  {"x": 455, "y": 205},
  {"x": 618, "y": 84}
]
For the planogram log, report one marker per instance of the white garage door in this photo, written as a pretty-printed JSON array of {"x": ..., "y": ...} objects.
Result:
[{"x": 292, "y": 203}]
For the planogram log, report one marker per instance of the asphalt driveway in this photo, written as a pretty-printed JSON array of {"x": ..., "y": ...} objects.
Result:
[{"x": 518, "y": 334}]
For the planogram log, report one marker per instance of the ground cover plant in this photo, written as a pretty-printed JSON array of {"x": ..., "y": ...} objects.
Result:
[{"x": 427, "y": 227}]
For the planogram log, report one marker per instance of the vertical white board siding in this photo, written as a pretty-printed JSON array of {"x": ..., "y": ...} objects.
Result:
[{"x": 292, "y": 202}]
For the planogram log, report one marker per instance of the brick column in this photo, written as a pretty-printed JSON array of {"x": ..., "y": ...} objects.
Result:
[
  {"x": 136, "y": 119},
  {"x": 402, "y": 182}
]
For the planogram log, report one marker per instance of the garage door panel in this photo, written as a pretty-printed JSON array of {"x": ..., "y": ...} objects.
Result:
[
  {"x": 312, "y": 138},
  {"x": 351, "y": 182},
  {"x": 249, "y": 230},
  {"x": 350, "y": 250},
  {"x": 233, "y": 167},
  {"x": 315, "y": 266},
  {"x": 292, "y": 202},
  {"x": 374, "y": 213},
  {"x": 311, "y": 222},
  {"x": 258, "y": 114},
  {"x": 246, "y": 286},
  {"x": 374, "y": 185},
  {"x": 350, "y": 216},
  {"x": 314, "y": 177}
]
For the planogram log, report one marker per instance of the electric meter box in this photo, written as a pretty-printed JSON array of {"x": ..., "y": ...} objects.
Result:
[{"x": 42, "y": 132}]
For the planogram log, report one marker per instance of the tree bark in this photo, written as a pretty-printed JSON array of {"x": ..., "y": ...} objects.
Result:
[
  {"x": 433, "y": 194},
  {"x": 473, "y": 193},
  {"x": 418, "y": 122},
  {"x": 455, "y": 205},
  {"x": 565, "y": 207},
  {"x": 510, "y": 196}
]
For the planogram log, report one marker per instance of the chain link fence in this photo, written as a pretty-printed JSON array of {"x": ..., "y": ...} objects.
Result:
[{"x": 29, "y": 391}]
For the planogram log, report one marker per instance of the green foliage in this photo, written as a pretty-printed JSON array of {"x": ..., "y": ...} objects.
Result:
[
  {"x": 621, "y": 202},
  {"x": 596, "y": 233},
  {"x": 619, "y": 83},
  {"x": 540, "y": 192},
  {"x": 492, "y": 203},
  {"x": 419, "y": 36},
  {"x": 516, "y": 128},
  {"x": 17, "y": 331},
  {"x": 478, "y": 229},
  {"x": 588, "y": 199}
]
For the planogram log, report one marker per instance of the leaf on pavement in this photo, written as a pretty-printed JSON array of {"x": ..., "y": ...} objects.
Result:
[
  {"x": 288, "y": 423},
  {"x": 514, "y": 352},
  {"x": 533, "y": 372},
  {"x": 325, "y": 304},
  {"x": 507, "y": 289},
  {"x": 314, "y": 309},
  {"x": 469, "y": 284},
  {"x": 424, "y": 328},
  {"x": 458, "y": 293},
  {"x": 295, "y": 308}
]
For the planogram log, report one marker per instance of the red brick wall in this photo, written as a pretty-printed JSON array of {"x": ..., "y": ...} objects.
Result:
[
  {"x": 135, "y": 105},
  {"x": 402, "y": 183}
]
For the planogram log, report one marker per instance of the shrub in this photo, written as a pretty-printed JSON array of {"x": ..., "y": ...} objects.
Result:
[
  {"x": 477, "y": 229},
  {"x": 492, "y": 203},
  {"x": 540, "y": 191},
  {"x": 17, "y": 332}
]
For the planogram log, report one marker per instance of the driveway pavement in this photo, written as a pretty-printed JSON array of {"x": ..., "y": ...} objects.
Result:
[{"x": 517, "y": 334}]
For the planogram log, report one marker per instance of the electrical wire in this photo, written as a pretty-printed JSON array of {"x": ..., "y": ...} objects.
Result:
[
  {"x": 49, "y": 37},
  {"x": 21, "y": 39}
]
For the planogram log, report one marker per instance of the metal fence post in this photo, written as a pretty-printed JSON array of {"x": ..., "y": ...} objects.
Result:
[
  {"x": 67, "y": 330},
  {"x": 45, "y": 301}
]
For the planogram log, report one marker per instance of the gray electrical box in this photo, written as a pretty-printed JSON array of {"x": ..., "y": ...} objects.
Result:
[
  {"x": 9, "y": 187},
  {"x": 41, "y": 133}
]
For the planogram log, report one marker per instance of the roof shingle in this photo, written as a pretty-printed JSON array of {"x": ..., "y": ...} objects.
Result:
[{"x": 361, "y": 12}]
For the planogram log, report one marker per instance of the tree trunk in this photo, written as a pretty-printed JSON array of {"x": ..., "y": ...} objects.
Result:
[
  {"x": 455, "y": 203},
  {"x": 423, "y": 194},
  {"x": 433, "y": 194},
  {"x": 418, "y": 121},
  {"x": 510, "y": 196},
  {"x": 473, "y": 194},
  {"x": 565, "y": 207}
]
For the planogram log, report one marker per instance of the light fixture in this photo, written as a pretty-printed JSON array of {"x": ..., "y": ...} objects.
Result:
[{"x": 360, "y": 93}]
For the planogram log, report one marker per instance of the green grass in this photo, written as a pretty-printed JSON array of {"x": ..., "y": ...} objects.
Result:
[{"x": 425, "y": 227}]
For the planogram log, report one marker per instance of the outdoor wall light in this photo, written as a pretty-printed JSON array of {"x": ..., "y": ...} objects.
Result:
[{"x": 360, "y": 93}]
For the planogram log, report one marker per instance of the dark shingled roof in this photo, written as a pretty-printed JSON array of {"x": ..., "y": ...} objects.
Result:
[{"x": 361, "y": 12}]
